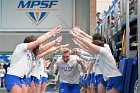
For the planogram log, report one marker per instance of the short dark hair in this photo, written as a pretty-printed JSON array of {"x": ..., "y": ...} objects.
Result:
[
  {"x": 103, "y": 39},
  {"x": 97, "y": 36},
  {"x": 98, "y": 43},
  {"x": 29, "y": 39}
]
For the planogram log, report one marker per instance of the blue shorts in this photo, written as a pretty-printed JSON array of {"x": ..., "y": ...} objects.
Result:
[
  {"x": 44, "y": 80},
  {"x": 86, "y": 82},
  {"x": 81, "y": 79},
  {"x": 11, "y": 80},
  {"x": 92, "y": 78},
  {"x": 69, "y": 88},
  {"x": 28, "y": 81},
  {"x": 36, "y": 81},
  {"x": 115, "y": 82},
  {"x": 99, "y": 79}
]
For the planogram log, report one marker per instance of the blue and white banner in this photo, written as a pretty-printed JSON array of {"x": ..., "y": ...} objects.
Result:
[{"x": 36, "y": 15}]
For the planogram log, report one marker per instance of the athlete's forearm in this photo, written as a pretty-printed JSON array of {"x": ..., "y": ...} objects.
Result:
[
  {"x": 42, "y": 38},
  {"x": 47, "y": 46},
  {"x": 51, "y": 69},
  {"x": 89, "y": 67},
  {"x": 83, "y": 68},
  {"x": 48, "y": 52}
]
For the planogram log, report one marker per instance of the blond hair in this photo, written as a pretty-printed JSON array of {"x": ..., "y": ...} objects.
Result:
[{"x": 64, "y": 50}]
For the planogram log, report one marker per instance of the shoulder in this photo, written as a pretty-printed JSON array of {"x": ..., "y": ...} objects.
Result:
[
  {"x": 22, "y": 46},
  {"x": 103, "y": 50},
  {"x": 74, "y": 57},
  {"x": 59, "y": 60}
]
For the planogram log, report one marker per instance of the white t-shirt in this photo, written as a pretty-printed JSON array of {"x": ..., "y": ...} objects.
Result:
[
  {"x": 38, "y": 68},
  {"x": 107, "y": 47},
  {"x": 106, "y": 64},
  {"x": 69, "y": 72},
  {"x": 88, "y": 57},
  {"x": 21, "y": 61},
  {"x": 96, "y": 68},
  {"x": 2, "y": 71},
  {"x": 43, "y": 71}
]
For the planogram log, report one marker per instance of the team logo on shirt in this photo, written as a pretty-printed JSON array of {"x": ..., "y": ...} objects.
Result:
[
  {"x": 37, "y": 10},
  {"x": 68, "y": 68}
]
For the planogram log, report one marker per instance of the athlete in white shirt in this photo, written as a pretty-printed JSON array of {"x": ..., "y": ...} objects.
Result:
[
  {"x": 44, "y": 76},
  {"x": 99, "y": 83},
  {"x": 107, "y": 66},
  {"x": 69, "y": 69},
  {"x": 23, "y": 56}
]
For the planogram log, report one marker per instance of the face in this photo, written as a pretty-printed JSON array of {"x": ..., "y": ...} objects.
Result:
[{"x": 66, "y": 57}]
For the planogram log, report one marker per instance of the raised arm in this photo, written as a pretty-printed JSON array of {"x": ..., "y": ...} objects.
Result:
[
  {"x": 50, "y": 44},
  {"x": 51, "y": 51},
  {"x": 43, "y": 38},
  {"x": 80, "y": 62},
  {"x": 81, "y": 45},
  {"x": 53, "y": 66},
  {"x": 82, "y": 33},
  {"x": 94, "y": 49}
]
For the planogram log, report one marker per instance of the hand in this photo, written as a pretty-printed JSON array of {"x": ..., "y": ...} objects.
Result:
[
  {"x": 54, "y": 60},
  {"x": 55, "y": 30},
  {"x": 76, "y": 51},
  {"x": 77, "y": 29},
  {"x": 79, "y": 61},
  {"x": 58, "y": 40}
]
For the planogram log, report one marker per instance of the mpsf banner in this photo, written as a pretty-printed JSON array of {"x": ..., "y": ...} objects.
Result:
[{"x": 36, "y": 15}]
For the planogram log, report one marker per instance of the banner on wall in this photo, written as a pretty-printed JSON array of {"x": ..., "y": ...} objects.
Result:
[{"x": 36, "y": 15}]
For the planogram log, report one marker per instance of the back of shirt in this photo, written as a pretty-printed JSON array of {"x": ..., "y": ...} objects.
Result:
[
  {"x": 108, "y": 65},
  {"x": 20, "y": 61}
]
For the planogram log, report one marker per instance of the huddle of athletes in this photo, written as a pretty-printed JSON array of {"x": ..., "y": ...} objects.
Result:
[{"x": 94, "y": 66}]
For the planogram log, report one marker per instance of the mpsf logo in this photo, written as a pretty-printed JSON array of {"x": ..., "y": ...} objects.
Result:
[{"x": 37, "y": 10}]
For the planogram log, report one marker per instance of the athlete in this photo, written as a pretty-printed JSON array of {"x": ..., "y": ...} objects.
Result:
[
  {"x": 23, "y": 57},
  {"x": 69, "y": 68},
  {"x": 105, "y": 62}
]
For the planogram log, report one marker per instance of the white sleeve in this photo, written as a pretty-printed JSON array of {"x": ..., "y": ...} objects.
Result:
[
  {"x": 87, "y": 58},
  {"x": 107, "y": 47},
  {"x": 104, "y": 51},
  {"x": 85, "y": 53},
  {"x": 22, "y": 47}
]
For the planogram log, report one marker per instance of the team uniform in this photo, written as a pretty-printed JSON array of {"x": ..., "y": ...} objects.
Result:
[
  {"x": 44, "y": 73},
  {"x": 107, "y": 66},
  {"x": 86, "y": 56},
  {"x": 69, "y": 75},
  {"x": 84, "y": 82},
  {"x": 98, "y": 73},
  {"x": 21, "y": 64},
  {"x": 36, "y": 71}
]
